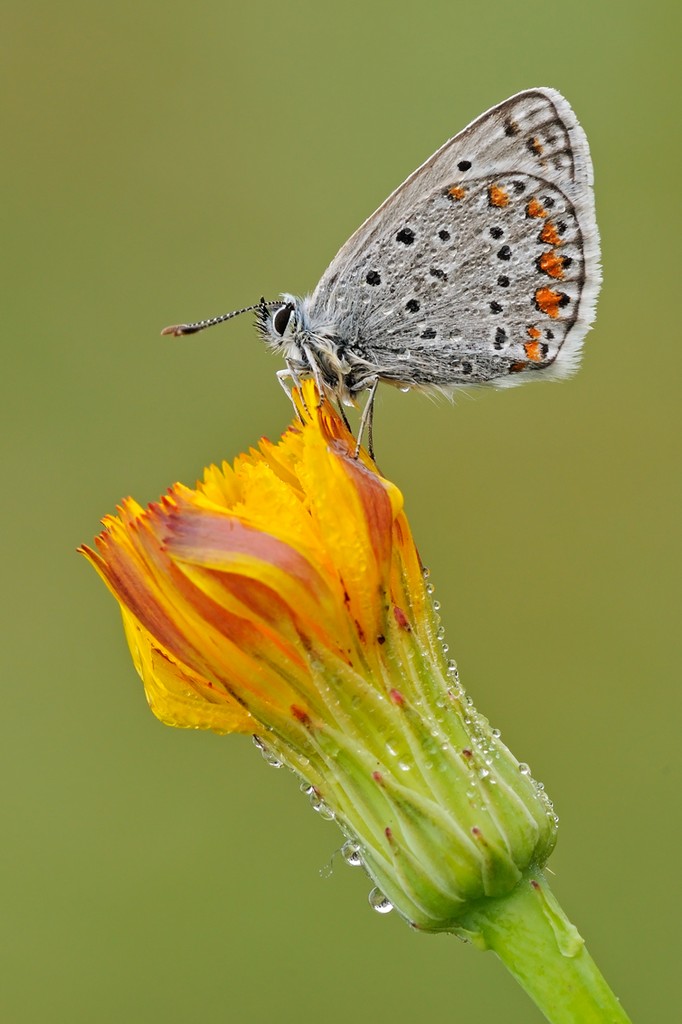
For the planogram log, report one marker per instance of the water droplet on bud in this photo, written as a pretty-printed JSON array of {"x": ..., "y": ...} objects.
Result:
[
  {"x": 379, "y": 902},
  {"x": 268, "y": 755},
  {"x": 453, "y": 670},
  {"x": 318, "y": 804},
  {"x": 350, "y": 852}
]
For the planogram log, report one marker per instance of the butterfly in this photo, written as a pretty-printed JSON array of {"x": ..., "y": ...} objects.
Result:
[{"x": 481, "y": 268}]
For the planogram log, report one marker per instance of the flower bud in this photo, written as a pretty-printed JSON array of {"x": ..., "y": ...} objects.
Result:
[{"x": 284, "y": 597}]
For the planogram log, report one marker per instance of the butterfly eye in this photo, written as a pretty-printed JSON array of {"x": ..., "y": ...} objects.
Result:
[{"x": 280, "y": 320}]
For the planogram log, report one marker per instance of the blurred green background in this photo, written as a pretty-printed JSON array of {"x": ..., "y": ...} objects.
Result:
[{"x": 168, "y": 161}]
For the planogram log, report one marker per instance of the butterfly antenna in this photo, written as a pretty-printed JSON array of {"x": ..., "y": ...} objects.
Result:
[{"x": 178, "y": 329}]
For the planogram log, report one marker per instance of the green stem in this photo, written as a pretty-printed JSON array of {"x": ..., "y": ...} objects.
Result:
[{"x": 535, "y": 940}]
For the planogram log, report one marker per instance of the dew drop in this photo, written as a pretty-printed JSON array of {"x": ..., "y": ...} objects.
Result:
[
  {"x": 306, "y": 788},
  {"x": 268, "y": 755},
  {"x": 350, "y": 852},
  {"x": 404, "y": 767},
  {"x": 426, "y": 573},
  {"x": 321, "y": 807},
  {"x": 436, "y": 606},
  {"x": 379, "y": 902},
  {"x": 440, "y": 633},
  {"x": 446, "y": 648},
  {"x": 430, "y": 588},
  {"x": 524, "y": 768},
  {"x": 496, "y": 733}
]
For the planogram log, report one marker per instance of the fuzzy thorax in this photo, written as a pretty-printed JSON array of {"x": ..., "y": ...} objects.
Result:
[{"x": 313, "y": 347}]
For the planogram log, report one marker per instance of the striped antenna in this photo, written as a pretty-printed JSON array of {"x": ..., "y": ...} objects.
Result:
[{"x": 178, "y": 329}]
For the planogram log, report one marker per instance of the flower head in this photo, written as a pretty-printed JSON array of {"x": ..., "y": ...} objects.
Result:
[{"x": 284, "y": 597}]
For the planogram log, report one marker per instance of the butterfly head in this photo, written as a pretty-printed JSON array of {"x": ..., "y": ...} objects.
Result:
[{"x": 283, "y": 326}]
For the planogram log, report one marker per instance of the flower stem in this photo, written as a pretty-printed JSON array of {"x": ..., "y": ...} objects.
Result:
[{"x": 535, "y": 940}]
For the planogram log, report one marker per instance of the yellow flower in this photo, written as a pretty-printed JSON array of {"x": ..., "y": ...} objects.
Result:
[{"x": 284, "y": 597}]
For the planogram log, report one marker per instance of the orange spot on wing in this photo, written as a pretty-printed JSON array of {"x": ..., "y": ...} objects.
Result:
[
  {"x": 537, "y": 146},
  {"x": 533, "y": 333},
  {"x": 550, "y": 235},
  {"x": 517, "y": 367},
  {"x": 534, "y": 351},
  {"x": 456, "y": 192},
  {"x": 549, "y": 302},
  {"x": 535, "y": 209},
  {"x": 551, "y": 264},
  {"x": 497, "y": 196}
]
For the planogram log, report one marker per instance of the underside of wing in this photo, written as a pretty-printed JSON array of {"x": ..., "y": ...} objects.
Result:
[{"x": 483, "y": 263}]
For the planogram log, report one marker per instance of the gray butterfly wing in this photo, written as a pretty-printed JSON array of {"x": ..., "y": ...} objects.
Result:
[{"x": 483, "y": 264}]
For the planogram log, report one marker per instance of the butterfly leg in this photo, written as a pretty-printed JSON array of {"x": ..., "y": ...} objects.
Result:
[
  {"x": 290, "y": 374},
  {"x": 315, "y": 370},
  {"x": 342, "y": 413},
  {"x": 367, "y": 420}
]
